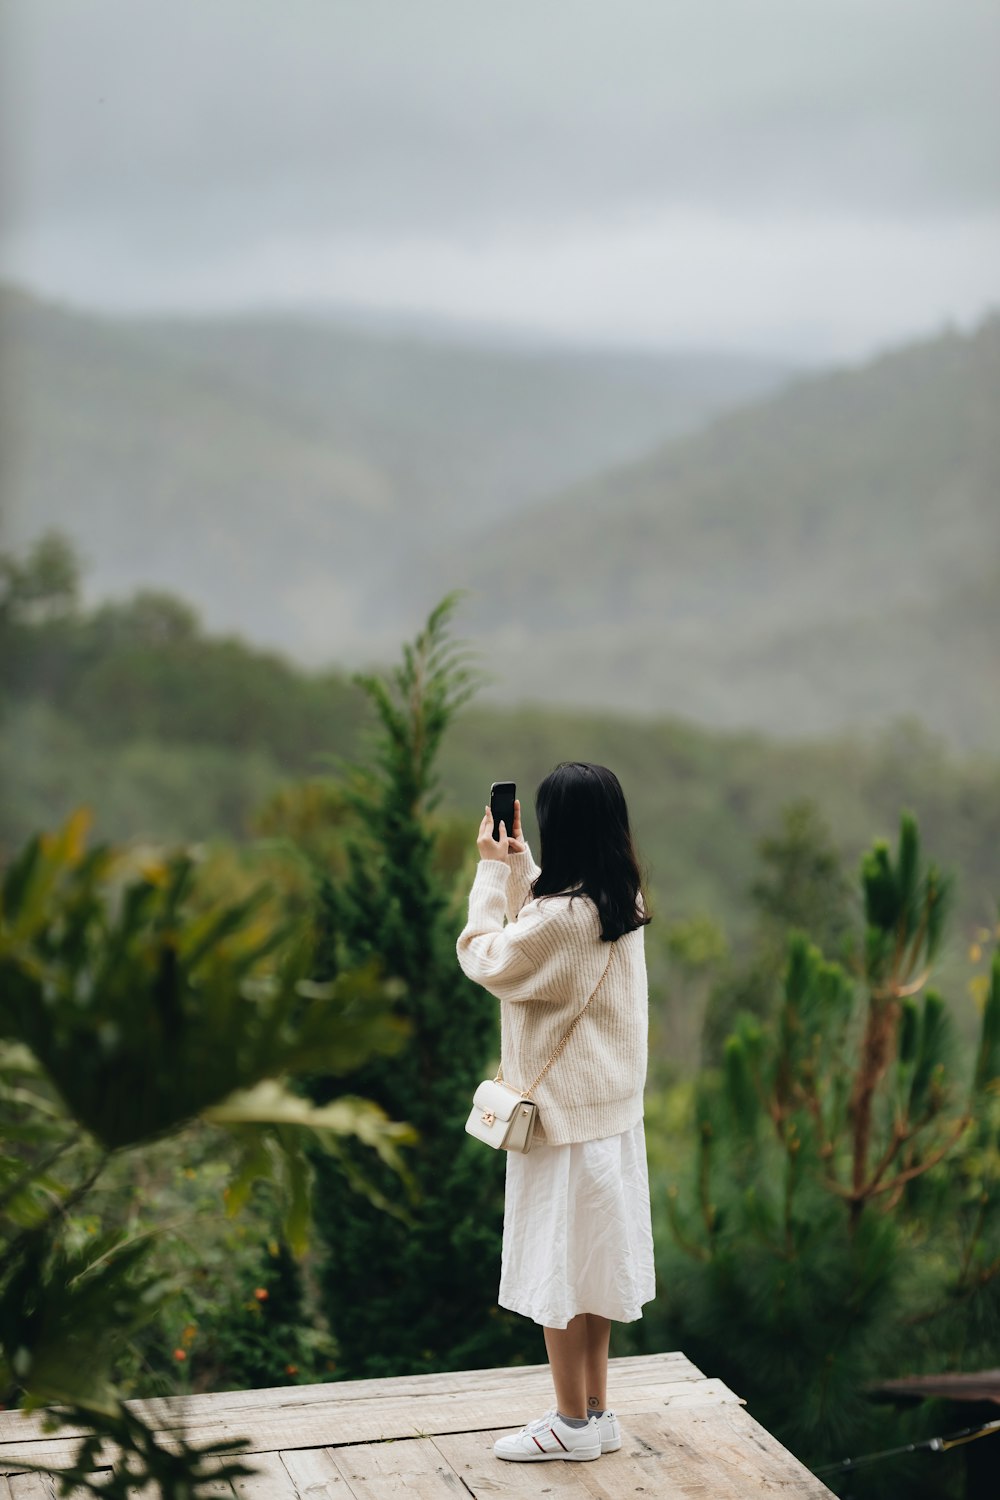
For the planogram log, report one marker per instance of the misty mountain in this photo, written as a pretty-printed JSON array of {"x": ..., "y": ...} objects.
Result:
[
  {"x": 801, "y": 556},
  {"x": 292, "y": 478},
  {"x": 827, "y": 557},
  {"x": 465, "y": 430}
]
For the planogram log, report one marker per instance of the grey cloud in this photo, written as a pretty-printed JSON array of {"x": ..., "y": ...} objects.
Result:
[
  {"x": 815, "y": 176},
  {"x": 381, "y": 117}
]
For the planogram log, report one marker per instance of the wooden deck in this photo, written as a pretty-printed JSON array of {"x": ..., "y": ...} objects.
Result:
[{"x": 430, "y": 1437}]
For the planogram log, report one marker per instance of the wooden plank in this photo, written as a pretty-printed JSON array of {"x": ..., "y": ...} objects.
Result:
[
  {"x": 36, "y": 1487},
  {"x": 53, "y": 1452},
  {"x": 26, "y": 1433},
  {"x": 658, "y": 1458},
  {"x": 668, "y": 1455},
  {"x": 19, "y": 1427},
  {"x": 694, "y": 1393},
  {"x": 389, "y": 1471},
  {"x": 485, "y": 1477},
  {"x": 382, "y": 1419},
  {"x": 330, "y": 1422},
  {"x": 32, "y": 1487},
  {"x": 52, "y": 1456},
  {"x": 221, "y": 1489},
  {"x": 633, "y": 1369},
  {"x": 646, "y": 1465},
  {"x": 765, "y": 1450},
  {"x": 314, "y": 1426},
  {"x": 271, "y": 1481},
  {"x": 164, "y": 1412},
  {"x": 705, "y": 1454},
  {"x": 315, "y": 1475}
]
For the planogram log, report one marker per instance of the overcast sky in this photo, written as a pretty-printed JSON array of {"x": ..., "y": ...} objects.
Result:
[{"x": 807, "y": 177}]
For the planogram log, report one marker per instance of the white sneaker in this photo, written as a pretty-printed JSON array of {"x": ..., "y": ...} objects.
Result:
[
  {"x": 611, "y": 1433},
  {"x": 549, "y": 1437}
]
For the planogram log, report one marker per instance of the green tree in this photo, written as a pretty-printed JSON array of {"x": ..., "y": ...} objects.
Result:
[
  {"x": 803, "y": 883},
  {"x": 842, "y": 1217},
  {"x": 142, "y": 670},
  {"x": 803, "y": 886},
  {"x": 416, "y": 1291},
  {"x": 684, "y": 961},
  {"x": 44, "y": 586},
  {"x": 132, "y": 1007}
]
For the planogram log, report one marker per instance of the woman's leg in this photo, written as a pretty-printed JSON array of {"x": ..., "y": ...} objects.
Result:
[
  {"x": 567, "y": 1350},
  {"x": 598, "y": 1338}
]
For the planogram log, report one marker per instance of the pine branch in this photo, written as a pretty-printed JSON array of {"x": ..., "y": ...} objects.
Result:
[
  {"x": 902, "y": 1132},
  {"x": 857, "y": 1197},
  {"x": 894, "y": 991},
  {"x": 874, "y": 1060}
]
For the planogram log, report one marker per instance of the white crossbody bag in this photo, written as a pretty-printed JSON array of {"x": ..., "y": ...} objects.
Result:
[{"x": 502, "y": 1116}]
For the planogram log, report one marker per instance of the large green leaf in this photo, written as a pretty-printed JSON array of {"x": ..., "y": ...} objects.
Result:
[{"x": 146, "y": 1009}]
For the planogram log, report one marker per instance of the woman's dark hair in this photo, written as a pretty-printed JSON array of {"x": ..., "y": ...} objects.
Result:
[{"x": 586, "y": 845}]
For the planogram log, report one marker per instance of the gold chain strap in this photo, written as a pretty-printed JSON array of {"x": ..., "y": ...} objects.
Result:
[{"x": 526, "y": 1093}]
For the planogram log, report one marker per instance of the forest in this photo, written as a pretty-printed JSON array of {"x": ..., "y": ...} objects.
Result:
[{"x": 233, "y": 1031}]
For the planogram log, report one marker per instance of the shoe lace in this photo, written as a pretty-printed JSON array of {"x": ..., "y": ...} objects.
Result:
[{"x": 540, "y": 1422}]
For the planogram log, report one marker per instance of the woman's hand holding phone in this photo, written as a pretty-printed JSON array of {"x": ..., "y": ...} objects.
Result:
[{"x": 491, "y": 848}]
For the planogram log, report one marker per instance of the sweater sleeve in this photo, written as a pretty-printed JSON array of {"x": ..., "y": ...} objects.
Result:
[
  {"x": 529, "y": 959},
  {"x": 523, "y": 872}
]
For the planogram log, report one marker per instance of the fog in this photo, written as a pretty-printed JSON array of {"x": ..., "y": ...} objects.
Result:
[{"x": 809, "y": 179}]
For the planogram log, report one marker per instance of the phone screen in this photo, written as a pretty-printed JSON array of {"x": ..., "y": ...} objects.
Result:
[{"x": 502, "y": 794}]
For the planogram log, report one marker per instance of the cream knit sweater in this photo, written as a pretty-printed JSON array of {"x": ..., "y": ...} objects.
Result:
[{"x": 542, "y": 967}]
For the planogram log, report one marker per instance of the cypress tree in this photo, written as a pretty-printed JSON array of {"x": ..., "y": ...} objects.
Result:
[{"x": 411, "y": 1286}]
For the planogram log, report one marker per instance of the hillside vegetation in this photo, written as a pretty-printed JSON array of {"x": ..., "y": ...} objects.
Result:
[
  {"x": 827, "y": 557},
  {"x": 291, "y": 478},
  {"x": 170, "y": 733},
  {"x": 812, "y": 559}
]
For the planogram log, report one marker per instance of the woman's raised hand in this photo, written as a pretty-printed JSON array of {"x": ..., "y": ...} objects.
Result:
[
  {"x": 488, "y": 846},
  {"x": 491, "y": 848}
]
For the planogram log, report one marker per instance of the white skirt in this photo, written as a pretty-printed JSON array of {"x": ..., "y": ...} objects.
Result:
[{"x": 576, "y": 1231}]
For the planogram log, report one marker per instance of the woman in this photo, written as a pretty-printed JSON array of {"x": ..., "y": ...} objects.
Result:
[{"x": 577, "y": 1243}]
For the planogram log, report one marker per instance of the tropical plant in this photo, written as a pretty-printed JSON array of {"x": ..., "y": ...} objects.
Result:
[{"x": 131, "y": 1007}]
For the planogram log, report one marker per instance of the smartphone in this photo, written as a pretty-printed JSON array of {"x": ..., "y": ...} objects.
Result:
[{"x": 502, "y": 794}]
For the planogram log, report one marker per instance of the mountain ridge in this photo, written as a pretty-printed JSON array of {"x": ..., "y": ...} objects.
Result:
[
  {"x": 844, "y": 504},
  {"x": 266, "y": 469},
  {"x": 821, "y": 555}
]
